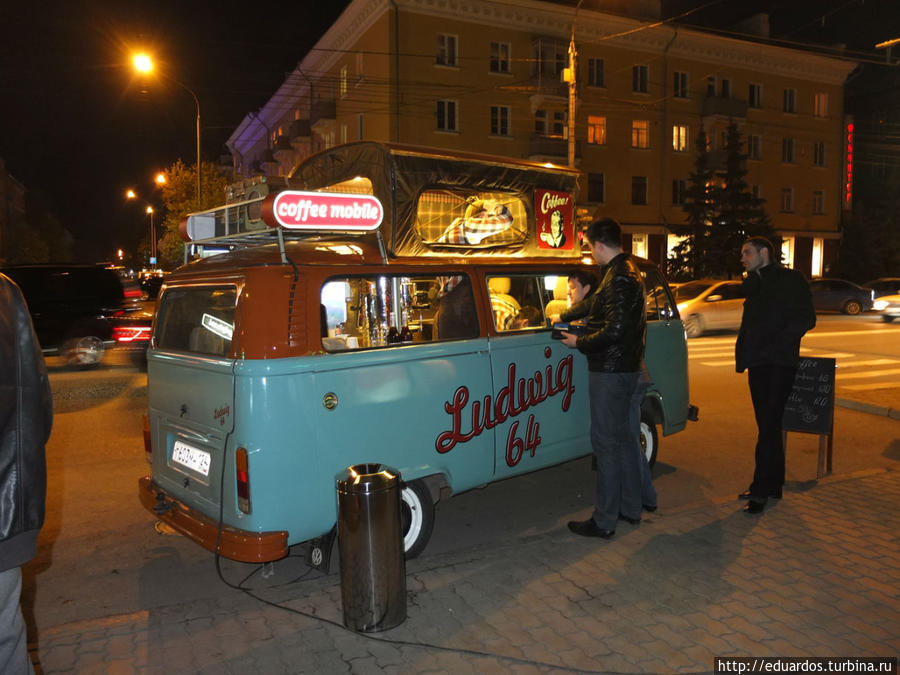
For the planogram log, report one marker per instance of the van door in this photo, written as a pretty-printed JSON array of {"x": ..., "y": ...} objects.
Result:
[
  {"x": 540, "y": 396},
  {"x": 408, "y": 404},
  {"x": 666, "y": 352},
  {"x": 191, "y": 402}
]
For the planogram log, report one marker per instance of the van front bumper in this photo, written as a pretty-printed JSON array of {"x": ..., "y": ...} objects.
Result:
[{"x": 234, "y": 544}]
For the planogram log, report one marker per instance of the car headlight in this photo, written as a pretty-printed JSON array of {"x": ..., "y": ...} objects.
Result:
[
  {"x": 880, "y": 305},
  {"x": 682, "y": 306}
]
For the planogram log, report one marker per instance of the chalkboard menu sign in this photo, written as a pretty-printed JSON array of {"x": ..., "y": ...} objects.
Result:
[{"x": 810, "y": 407}]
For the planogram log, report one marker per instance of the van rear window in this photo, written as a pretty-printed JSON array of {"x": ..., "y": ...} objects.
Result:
[{"x": 198, "y": 319}]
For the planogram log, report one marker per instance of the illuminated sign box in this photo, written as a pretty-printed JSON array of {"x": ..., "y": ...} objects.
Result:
[{"x": 297, "y": 210}]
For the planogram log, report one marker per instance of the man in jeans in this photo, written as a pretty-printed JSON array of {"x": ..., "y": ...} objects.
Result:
[
  {"x": 613, "y": 343},
  {"x": 778, "y": 311},
  {"x": 26, "y": 414}
]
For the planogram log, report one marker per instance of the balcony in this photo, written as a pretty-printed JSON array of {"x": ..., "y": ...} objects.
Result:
[
  {"x": 729, "y": 108},
  {"x": 322, "y": 110},
  {"x": 546, "y": 147}
]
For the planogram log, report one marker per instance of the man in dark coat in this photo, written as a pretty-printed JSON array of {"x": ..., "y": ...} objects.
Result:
[
  {"x": 614, "y": 346},
  {"x": 26, "y": 415},
  {"x": 778, "y": 311}
]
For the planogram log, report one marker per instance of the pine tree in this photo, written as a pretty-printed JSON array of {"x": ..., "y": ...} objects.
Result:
[{"x": 689, "y": 259}]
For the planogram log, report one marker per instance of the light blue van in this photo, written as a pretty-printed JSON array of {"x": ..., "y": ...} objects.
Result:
[{"x": 386, "y": 305}]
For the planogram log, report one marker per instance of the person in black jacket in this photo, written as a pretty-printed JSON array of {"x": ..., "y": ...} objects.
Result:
[
  {"x": 778, "y": 311},
  {"x": 614, "y": 345},
  {"x": 26, "y": 415}
]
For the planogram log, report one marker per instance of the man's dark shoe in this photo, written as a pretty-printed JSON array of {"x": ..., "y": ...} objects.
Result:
[
  {"x": 633, "y": 521},
  {"x": 775, "y": 494},
  {"x": 649, "y": 508},
  {"x": 588, "y": 528},
  {"x": 754, "y": 507}
]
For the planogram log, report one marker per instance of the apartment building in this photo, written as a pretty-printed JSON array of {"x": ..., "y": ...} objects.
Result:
[{"x": 486, "y": 76}]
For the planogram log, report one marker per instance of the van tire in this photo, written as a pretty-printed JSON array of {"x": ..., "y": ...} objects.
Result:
[
  {"x": 649, "y": 439},
  {"x": 416, "y": 517}
]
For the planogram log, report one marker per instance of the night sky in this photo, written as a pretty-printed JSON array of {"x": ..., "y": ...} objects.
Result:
[{"x": 75, "y": 125}]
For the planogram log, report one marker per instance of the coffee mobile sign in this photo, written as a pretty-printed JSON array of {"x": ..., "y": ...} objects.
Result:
[{"x": 296, "y": 210}]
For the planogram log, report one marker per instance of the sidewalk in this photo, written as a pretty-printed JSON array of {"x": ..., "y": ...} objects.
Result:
[{"x": 818, "y": 574}]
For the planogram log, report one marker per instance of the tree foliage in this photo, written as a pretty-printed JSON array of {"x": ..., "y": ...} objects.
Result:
[
  {"x": 721, "y": 212},
  {"x": 179, "y": 196}
]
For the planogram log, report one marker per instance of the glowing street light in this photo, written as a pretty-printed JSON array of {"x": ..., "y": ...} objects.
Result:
[
  {"x": 160, "y": 178},
  {"x": 152, "y": 236},
  {"x": 143, "y": 64}
]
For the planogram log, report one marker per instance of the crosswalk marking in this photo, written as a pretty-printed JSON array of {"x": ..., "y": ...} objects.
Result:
[
  {"x": 877, "y": 373},
  {"x": 814, "y": 333},
  {"x": 825, "y": 355},
  {"x": 870, "y": 386},
  {"x": 873, "y": 362}
]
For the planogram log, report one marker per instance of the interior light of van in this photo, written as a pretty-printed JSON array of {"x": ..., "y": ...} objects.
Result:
[
  {"x": 550, "y": 283},
  {"x": 214, "y": 325},
  {"x": 242, "y": 478},
  {"x": 341, "y": 249}
]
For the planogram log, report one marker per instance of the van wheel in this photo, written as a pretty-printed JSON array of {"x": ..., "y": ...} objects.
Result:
[
  {"x": 851, "y": 307},
  {"x": 693, "y": 326},
  {"x": 84, "y": 351},
  {"x": 416, "y": 517},
  {"x": 649, "y": 439}
]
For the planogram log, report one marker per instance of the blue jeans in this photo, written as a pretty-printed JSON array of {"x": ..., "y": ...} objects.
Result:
[
  {"x": 618, "y": 469},
  {"x": 14, "y": 659},
  {"x": 648, "y": 492}
]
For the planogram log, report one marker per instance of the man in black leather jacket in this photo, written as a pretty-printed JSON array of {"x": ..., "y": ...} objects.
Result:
[
  {"x": 778, "y": 310},
  {"x": 614, "y": 346},
  {"x": 26, "y": 415}
]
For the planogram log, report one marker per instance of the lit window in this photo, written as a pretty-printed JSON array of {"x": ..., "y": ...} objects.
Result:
[
  {"x": 447, "y": 51},
  {"x": 344, "y": 72},
  {"x": 820, "y": 105},
  {"x": 640, "y": 133},
  {"x": 596, "y": 130},
  {"x": 680, "y": 138}
]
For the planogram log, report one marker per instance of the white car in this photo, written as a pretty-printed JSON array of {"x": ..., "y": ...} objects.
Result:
[
  {"x": 889, "y": 306},
  {"x": 709, "y": 304}
]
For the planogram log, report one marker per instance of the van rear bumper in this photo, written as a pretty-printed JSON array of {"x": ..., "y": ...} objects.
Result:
[{"x": 234, "y": 544}]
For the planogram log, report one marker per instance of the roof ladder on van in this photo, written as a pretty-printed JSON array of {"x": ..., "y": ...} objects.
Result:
[{"x": 241, "y": 225}]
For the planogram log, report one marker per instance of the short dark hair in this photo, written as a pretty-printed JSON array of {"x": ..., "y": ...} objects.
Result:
[
  {"x": 760, "y": 243},
  {"x": 607, "y": 231},
  {"x": 584, "y": 278}
]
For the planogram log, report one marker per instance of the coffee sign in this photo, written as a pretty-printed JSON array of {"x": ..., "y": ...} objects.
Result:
[{"x": 297, "y": 210}]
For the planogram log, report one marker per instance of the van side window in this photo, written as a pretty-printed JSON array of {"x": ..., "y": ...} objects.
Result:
[
  {"x": 383, "y": 311},
  {"x": 659, "y": 303},
  {"x": 526, "y": 301},
  {"x": 198, "y": 319},
  {"x": 467, "y": 219}
]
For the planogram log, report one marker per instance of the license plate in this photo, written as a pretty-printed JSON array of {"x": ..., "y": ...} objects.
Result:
[{"x": 193, "y": 458}]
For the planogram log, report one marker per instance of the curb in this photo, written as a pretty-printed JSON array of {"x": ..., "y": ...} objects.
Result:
[{"x": 870, "y": 408}]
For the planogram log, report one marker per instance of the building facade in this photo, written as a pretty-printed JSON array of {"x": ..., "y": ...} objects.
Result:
[{"x": 483, "y": 76}]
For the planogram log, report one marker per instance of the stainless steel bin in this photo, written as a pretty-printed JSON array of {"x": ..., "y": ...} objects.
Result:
[{"x": 373, "y": 567}]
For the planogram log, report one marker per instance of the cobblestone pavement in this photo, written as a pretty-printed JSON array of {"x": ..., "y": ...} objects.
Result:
[{"x": 818, "y": 574}]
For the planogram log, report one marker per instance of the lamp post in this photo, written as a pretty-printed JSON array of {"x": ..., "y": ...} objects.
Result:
[
  {"x": 144, "y": 65},
  {"x": 152, "y": 236}
]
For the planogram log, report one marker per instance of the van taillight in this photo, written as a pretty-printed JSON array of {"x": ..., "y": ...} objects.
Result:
[
  {"x": 242, "y": 476},
  {"x": 148, "y": 448}
]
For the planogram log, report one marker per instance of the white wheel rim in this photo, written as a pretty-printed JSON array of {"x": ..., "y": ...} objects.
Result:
[
  {"x": 647, "y": 441},
  {"x": 415, "y": 517}
]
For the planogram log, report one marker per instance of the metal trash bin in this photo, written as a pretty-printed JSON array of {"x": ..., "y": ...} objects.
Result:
[{"x": 373, "y": 566}]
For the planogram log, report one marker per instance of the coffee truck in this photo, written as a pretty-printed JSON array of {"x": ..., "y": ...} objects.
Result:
[{"x": 383, "y": 304}]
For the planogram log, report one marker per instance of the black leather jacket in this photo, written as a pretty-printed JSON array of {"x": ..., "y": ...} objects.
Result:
[
  {"x": 778, "y": 310},
  {"x": 26, "y": 415},
  {"x": 616, "y": 319}
]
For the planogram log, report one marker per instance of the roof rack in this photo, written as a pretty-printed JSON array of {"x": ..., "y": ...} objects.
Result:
[{"x": 231, "y": 226}]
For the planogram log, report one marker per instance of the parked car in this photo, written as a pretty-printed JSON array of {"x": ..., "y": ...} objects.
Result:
[
  {"x": 709, "y": 304},
  {"x": 840, "y": 295},
  {"x": 889, "y": 306},
  {"x": 884, "y": 286},
  {"x": 80, "y": 311}
]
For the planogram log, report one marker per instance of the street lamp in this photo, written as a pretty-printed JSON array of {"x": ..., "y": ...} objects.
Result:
[
  {"x": 152, "y": 236},
  {"x": 143, "y": 64}
]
